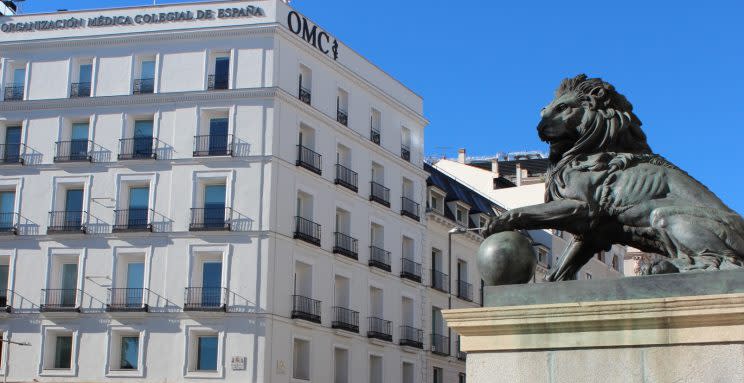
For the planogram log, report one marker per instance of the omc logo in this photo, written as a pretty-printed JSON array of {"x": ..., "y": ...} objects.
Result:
[{"x": 313, "y": 35}]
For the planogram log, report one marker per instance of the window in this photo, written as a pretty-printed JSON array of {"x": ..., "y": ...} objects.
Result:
[
  {"x": 63, "y": 351},
  {"x": 461, "y": 377},
  {"x": 306, "y": 155},
  {"x": 341, "y": 365},
  {"x": 438, "y": 375},
  {"x": 10, "y": 147},
  {"x": 342, "y": 107},
  {"x": 405, "y": 144},
  {"x": 375, "y": 369},
  {"x": 436, "y": 201},
  {"x": 482, "y": 222},
  {"x": 407, "y": 373},
  {"x": 305, "y": 84},
  {"x": 542, "y": 255},
  {"x": 124, "y": 354},
  {"x": 588, "y": 276},
  {"x": 15, "y": 84},
  {"x": 144, "y": 81},
  {"x": 375, "y": 125},
  {"x": 82, "y": 77},
  {"x": 58, "y": 350},
  {"x": 203, "y": 351},
  {"x": 220, "y": 76},
  {"x": 205, "y": 292},
  {"x": 461, "y": 214},
  {"x": 4, "y": 292},
  {"x": 615, "y": 263},
  {"x": 210, "y": 211},
  {"x": 7, "y": 211},
  {"x": 301, "y": 359},
  {"x": 139, "y": 141},
  {"x": 407, "y": 311},
  {"x": 213, "y": 136},
  {"x": 128, "y": 292}
]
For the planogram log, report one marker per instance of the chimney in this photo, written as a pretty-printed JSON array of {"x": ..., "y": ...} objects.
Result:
[
  {"x": 461, "y": 155},
  {"x": 495, "y": 167},
  {"x": 518, "y": 172}
]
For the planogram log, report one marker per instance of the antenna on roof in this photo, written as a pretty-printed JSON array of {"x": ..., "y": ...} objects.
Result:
[{"x": 444, "y": 150}]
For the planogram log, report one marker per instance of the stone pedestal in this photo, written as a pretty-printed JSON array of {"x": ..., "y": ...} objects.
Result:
[{"x": 671, "y": 328}]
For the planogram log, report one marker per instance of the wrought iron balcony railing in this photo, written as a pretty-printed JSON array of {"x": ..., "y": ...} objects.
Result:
[
  {"x": 409, "y": 208},
  {"x": 440, "y": 344},
  {"x": 127, "y": 299},
  {"x": 405, "y": 152},
  {"x": 213, "y": 145},
  {"x": 342, "y": 117},
  {"x": 73, "y": 151},
  {"x": 464, "y": 290},
  {"x": 143, "y": 86},
  {"x": 305, "y": 95},
  {"x": 9, "y": 223},
  {"x": 305, "y": 308},
  {"x": 59, "y": 300},
  {"x": 138, "y": 148},
  {"x": 410, "y": 270},
  {"x": 374, "y": 135},
  {"x": 379, "y": 258},
  {"x": 379, "y": 193},
  {"x": 132, "y": 220},
  {"x": 309, "y": 160},
  {"x": 215, "y": 82},
  {"x": 13, "y": 92},
  {"x": 80, "y": 89},
  {"x": 210, "y": 219},
  {"x": 440, "y": 281},
  {"x": 307, "y": 230},
  {"x": 205, "y": 299},
  {"x": 67, "y": 221},
  {"x": 345, "y": 245},
  {"x": 411, "y": 336},
  {"x": 345, "y": 319},
  {"x": 346, "y": 178},
  {"x": 379, "y": 328},
  {"x": 12, "y": 153}
]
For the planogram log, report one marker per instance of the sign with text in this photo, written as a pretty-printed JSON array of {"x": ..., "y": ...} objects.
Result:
[
  {"x": 139, "y": 19},
  {"x": 313, "y": 35}
]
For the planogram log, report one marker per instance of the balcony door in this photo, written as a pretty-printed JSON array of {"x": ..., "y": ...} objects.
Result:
[
  {"x": 142, "y": 139},
  {"x": 135, "y": 283},
  {"x": 7, "y": 208},
  {"x": 19, "y": 77},
  {"x": 211, "y": 284},
  {"x": 85, "y": 74},
  {"x": 3, "y": 285},
  {"x": 221, "y": 72},
  {"x": 214, "y": 205},
  {"x": 69, "y": 284},
  {"x": 138, "y": 206},
  {"x": 73, "y": 207},
  {"x": 218, "y": 136},
  {"x": 12, "y": 150},
  {"x": 79, "y": 141}
]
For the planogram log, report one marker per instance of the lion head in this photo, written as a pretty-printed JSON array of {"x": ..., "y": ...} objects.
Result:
[{"x": 589, "y": 116}]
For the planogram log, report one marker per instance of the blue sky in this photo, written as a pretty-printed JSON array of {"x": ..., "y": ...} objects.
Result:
[{"x": 485, "y": 68}]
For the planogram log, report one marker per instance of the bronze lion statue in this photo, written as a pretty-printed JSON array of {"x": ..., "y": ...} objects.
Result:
[{"x": 606, "y": 186}]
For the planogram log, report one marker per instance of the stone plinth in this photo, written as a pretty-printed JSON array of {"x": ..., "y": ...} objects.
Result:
[{"x": 668, "y": 338}]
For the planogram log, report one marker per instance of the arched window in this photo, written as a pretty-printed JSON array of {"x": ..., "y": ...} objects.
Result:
[{"x": 614, "y": 262}]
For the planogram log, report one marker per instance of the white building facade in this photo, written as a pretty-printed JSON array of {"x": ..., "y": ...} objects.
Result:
[{"x": 212, "y": 190}]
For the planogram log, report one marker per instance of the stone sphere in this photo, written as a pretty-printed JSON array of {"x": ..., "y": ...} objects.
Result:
[{"x": 506, "y": 258}]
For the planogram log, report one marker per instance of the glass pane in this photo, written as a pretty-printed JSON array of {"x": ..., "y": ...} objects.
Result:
[
  {"x": 211, "y": 284},
  {"x": 222, "y": 67},
  {"x": 12, "y": 150},
  {"x": 139, "y": 197},
  {"x": 148, "y": 69},
  {"x": 79, "y": 131},
  {"x": 86, "y": 71},
  {"x": 13, "y": 135},
  {"x": 214, "y": 196},
  {"x": 63, "y": 352},
  {"x": 135, "y": 275},
  {"x": 19, "y": 76},
  {"x": 3, "y": 285},
  {"x": 207, "y": 353},
  {"x": 69, "y": 276},
  {"x": 7, "y": 202},
  {"x": 218, "y": 136},
  {"x": 129, "y": 352},
  {"x": 143, "y": 129}
]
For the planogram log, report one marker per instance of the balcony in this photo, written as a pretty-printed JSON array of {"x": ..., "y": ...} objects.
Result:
[
  {"x": 9, "y": 223},
  {"x": 4, "y": 301},
  {"x": 411, "y": 336},
  {"x": 440, "y": 281},
  {"x": 139, "y": 148},
  {"x": 379, "y": 258},
  {"x": 79, "y": 89},
  {"x": 307, "y": 231},
  {"x": 461, "y": 355},
  {"x": 465, "y": 291},
  {"x": 11, "y": 154},
  {"x": 342, "y": 117},
  {"x": 205, "y": 299},
  {"x": 379, "y": 193},
  {"x": 127, "y": 300},
  {"x": 143, "y": 86},
  {"x": 66, "y": 221},
  {"x": 215, "y": 82},
  {"x": 210, "y": 219},
  {"x": 374, "y": 135},
  {"x": 440, "y": 345},
  {"x": 213, "y": 145},
  {"x": 305, "y": 95},
  {"x": 73, "y": 151},
  {"x": 345, "y": 319},
  {"x": 345, "y": 245},
  {"x": 13, "y": 92},
  {"x": 132, "y": 220},
  {"x": 409, "y": 208},
  {"x": 305, "y": 308},
  {"x": 405, "y": 152},
  {"x": 59, "y": 300},
  {"x": 308, "y": 159},
  {"x": 346, "y": 178},
  {"x": 379, "y": 329},
  {"x": 410, "y": 270}
]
